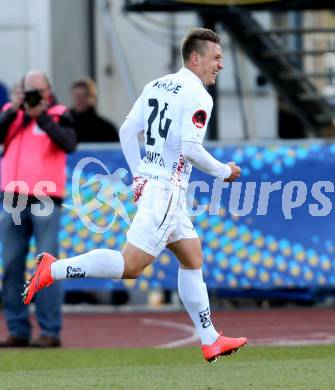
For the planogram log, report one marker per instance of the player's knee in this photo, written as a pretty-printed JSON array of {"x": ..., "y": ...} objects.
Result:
[
  {"x": 194, "y": 262},
  {"x": 132, "y": 271}
]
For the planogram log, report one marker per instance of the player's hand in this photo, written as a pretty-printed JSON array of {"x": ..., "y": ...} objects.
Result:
[
  {"x": 17, "y": 97},
  {"x": 35, "y": 112},
  {"x": 235, "y": 172},
  {"x": 138, "y": 187}
]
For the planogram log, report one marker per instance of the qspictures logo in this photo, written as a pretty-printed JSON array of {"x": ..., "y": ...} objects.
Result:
[
  {"x": 242, "y": 198},
  {"x": 110, "y": 185}
]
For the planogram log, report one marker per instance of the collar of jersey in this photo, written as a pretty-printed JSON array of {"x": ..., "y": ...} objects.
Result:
[{"x": 187, "y": 72}]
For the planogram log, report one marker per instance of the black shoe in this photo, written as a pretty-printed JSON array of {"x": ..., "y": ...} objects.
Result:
[
  {"x": 14, "y": 342},
  {"x": 46, "y": 342}
]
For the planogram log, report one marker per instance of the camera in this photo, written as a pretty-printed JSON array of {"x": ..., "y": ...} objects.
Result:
[{"x": 32, "y": 98}]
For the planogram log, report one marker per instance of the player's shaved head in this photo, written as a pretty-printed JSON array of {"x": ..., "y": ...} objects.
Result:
[{"x": 196, "y": 40}]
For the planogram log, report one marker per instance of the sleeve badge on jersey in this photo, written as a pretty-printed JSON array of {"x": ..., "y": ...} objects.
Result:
[{"x": 199, "y": 118}]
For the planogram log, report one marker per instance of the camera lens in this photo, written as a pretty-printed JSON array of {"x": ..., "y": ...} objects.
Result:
[{"x": 32, "y": 98}]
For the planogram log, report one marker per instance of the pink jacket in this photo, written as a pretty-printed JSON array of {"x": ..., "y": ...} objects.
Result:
[{"x": 31, "y": 156}]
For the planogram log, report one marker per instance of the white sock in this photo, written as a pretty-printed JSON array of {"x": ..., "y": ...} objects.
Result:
[
  {"x": 99, "y": 263},
  {"x": 193, "y": 293}
]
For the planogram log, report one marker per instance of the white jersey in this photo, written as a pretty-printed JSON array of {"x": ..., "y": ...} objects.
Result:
[{"x": 171, "y": 109}]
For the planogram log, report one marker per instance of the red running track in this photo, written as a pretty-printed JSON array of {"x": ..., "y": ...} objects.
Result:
[{"x": 262, "y": 327}]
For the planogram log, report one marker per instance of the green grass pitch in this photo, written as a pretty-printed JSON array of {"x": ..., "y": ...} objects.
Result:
[{"x": 309, "y": 367}]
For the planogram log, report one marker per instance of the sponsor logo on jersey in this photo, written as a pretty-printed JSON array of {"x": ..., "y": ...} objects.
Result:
[
  {"x": 177, "y": 169},
  {"x": 199, "y": 118},
  {"x": 154, "y": 158}
]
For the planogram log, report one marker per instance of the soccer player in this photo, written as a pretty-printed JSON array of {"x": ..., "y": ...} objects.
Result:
[{"x": 173, "y": 112}]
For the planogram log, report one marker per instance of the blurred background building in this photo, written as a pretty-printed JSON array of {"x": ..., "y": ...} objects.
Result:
[
  {"x": 278, "y": 81},
  {"x": 122, "y": 50}
]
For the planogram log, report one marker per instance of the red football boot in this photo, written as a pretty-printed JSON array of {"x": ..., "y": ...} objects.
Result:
[
  {"x": 40, "y": 278},
  {"x": 222, "y": 346}
]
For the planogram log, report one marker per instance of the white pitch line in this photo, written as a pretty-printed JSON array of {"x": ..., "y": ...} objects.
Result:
[
  {"x": 177, "y": 326},
  {"x": 289, "y": 342}
]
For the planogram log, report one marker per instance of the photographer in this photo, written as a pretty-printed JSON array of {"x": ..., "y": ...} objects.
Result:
[{"x": 36, "y": 133}]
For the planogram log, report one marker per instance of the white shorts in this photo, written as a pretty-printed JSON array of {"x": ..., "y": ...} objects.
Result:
[{"x": 161, "y": 218}]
